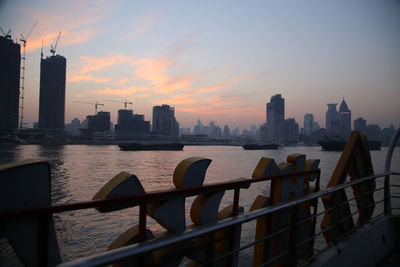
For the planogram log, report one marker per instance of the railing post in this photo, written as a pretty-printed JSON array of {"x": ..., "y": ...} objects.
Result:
[
  {"x": 387, "y": 208},
  {"x": 293, "y": 235},
  {"x": 235, "y": 231},
  {"x": 43, "y": 240}
]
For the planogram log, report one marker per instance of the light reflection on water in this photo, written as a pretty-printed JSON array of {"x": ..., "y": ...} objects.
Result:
[{"x": 79, "y": 171}]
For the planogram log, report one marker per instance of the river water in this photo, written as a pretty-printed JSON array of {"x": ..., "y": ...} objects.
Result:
[{"x": 79, "y": 171}]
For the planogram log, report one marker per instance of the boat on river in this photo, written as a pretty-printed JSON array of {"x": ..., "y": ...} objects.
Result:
[
  {"x": 256, "y": 146},
  {"x": 150, "y": 146},
  {"x": 338, "y": 145}
]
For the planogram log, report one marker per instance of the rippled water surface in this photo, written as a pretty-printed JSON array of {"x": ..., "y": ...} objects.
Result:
[{"x": 79, "y": 171}]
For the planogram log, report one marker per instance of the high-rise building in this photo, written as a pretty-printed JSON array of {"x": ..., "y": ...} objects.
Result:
[
  {"x": 131, "y": 125},
  {"x": 332, "y": 120},
  {"x": 276, "y": 118},
  {"x": 103, "y": 121},
  {"x": 344, "y": 120},
  {"x": 52, "y": 93},
  {"x": 308, "y": 123},
  {"x": 291, "y": 130},
  {"x": 164, "y": 122},
  {"x": 10, "y": 58},
  {"x": 360, "y": 125}
]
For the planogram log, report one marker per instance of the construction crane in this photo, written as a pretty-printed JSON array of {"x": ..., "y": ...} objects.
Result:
[
  {"x": 95, "y": 105},
  {"x": 6, "y": 35},
  {"x": 126, "y": 103},
  {"x": 24, "y": 39},
  {"x": 53, "y": 49}
]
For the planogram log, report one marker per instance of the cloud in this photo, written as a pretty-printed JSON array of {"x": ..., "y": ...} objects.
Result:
[
  {"x": 87, "y": 78},
  {"x": 121, "y": 81},
  {"x": 142, "y": 25},
  {"x": 77, "y": 22},
  {"x": 121, "y": 91},
  {"x": 78, "y": 95}
]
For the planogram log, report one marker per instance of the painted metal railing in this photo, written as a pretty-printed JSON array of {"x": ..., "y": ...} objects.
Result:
[{"x": 234, "y": 223}]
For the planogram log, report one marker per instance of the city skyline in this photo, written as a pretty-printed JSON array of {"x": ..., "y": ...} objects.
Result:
[{"x": 217, "y": 61}]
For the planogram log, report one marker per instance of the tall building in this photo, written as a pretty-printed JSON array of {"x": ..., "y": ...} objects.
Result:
[
  {"x": 360, "y": 125},
  {"x": 131, "y": 125},
  {"x": 308, "y": 123},
  {"x": 276, "y": 118},
  {"x": 332, "y": 120},
  {"x": 291, "y": 130},
  {"x": 344, "y": 120},
  {"x": 10, "y": 58},
  {"x": 164, "y": 122},
  {"x": 52, "y": 93}
]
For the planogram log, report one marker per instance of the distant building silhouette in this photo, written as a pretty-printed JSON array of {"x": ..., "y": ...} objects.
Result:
[
  {"x": 52, "y": 93},
  {"x": 164, "y": 122},
  {"x": 332, "y": 120},
  {"x": 227, "y": 131},
  {"x": 291, "y": 131},
  {"x": 131, "y": 125},
  {"x": 360, "y": 125},
  {"x": 276, "y": 118},
  {"x": 344, "y": 120},
  {"x": 10, "y": 58},
  {"x": 308, "y": 123}
]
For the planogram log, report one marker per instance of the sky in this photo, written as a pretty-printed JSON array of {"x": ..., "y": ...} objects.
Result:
[{"x": 216, "y": 60}]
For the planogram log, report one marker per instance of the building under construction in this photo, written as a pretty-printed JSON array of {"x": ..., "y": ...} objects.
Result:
[
  {"x": 131, "y": 125},
  {"x": 10, "y": 60},
  {"x": 52, "y": 93}
]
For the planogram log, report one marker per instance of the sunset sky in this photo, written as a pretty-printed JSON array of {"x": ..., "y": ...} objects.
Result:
[{"x": 217, "y": 60}]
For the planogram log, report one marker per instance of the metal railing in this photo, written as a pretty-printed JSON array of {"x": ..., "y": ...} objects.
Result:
[{"x": 233, "y": 224}]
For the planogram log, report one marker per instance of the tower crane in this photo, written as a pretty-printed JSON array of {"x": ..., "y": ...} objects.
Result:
[
  {"x": 126, "y": 103},
  {"x": 95, "y": 104},
  {"x": 6, "y": 35},
  {"x": 53, "y": 49},
  {"x": 24, "y": 39}
]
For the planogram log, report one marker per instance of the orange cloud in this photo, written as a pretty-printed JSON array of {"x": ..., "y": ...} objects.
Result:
[
  {"x": 87, "y": 78},
  {"x": 121, "y": 82},
  {"x": 122, "y": 91},
  {"x": 155, "y": 72},
  {"x": 91, "y": 64}
]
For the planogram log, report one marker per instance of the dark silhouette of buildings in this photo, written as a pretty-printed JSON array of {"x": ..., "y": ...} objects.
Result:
[
  {"x": 131, "y": 125},
  {"x": 308, "y": 124},
  {"x": 10, "y": 60},
  {"x": 291, "y": 131},
  {"x": 276, "y": 118},
  {"x": 164, "y": 122},
  {"x": 360, "y": 125},
  {"x": 344, "y": 120},
  {"x": 332, "y": 120},
  {"x": 52, "y": 93}
]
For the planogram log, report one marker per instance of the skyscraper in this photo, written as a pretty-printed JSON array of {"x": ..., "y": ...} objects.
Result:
[
  {"x": 10, "y": 58},
  {"x": 52, "y": 93},
  {"x": 164, "y": 122},
  {"x": 332, "y": 120},
  {"x": 308, "y": 124},
  {"x": 360, "y": 125},
  {"x": 344, "y": 120},
  {"x": 276, "y": 118}
]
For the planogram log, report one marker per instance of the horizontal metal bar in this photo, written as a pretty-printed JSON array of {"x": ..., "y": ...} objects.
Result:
[{"x": 164, "y": 194}]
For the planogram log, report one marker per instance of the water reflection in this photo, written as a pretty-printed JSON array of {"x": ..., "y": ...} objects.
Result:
[{"x": 79, "y": 171}]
